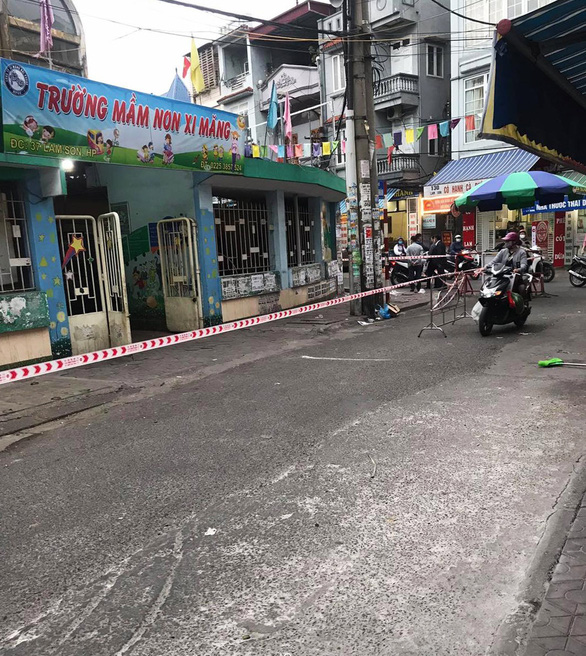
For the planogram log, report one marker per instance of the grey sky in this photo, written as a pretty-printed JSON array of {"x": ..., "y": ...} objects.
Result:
[{"x": 143, "y": 60}]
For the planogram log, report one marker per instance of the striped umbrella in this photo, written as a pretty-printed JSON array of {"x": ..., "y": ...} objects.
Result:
[{"x": 519, "y": 190}]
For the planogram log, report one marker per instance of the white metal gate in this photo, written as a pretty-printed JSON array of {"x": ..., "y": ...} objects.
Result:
[
  {"x": 180, "y": 273},
  {"x": 94, "y": 280}
]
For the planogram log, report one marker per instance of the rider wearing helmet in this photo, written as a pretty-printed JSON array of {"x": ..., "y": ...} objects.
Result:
[{"x": 512, "y": 255}]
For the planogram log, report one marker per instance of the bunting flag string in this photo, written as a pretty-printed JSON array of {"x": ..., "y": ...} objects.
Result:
[{"x": 389, "y": 141}]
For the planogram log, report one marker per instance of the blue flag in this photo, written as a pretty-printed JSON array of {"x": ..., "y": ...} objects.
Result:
[{"x": 273, "y": 115}]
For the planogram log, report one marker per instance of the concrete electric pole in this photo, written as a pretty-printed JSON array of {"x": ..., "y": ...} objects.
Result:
[{"x": 365, "y": 270}]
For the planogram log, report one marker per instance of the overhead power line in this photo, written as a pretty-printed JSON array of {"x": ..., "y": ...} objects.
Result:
[
  {"x": 244, "y": 17},
  {"x": 457, "y": 13}
]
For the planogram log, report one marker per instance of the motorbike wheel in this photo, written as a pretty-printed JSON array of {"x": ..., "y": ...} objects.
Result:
[
  {"x": 577, "y": 282},
  {"x": 397, "y": 279},
  {"x": 548, "y": 272},
  {"x": 520, "y": 322},
  {"x": 484, "y": 325}
]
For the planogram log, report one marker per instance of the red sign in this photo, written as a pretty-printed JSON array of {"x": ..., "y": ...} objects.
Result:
[
  {"x": 447, "y": 239},
  {"x": 469, "y": 229},
  {"x": 559, "y": 239},
  {"x": 541, "y": 231},
  {"x": 439, "y": 205}
]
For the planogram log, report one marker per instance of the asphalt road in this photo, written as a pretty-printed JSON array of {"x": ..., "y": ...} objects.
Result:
[{"x": 362, "y": 492}]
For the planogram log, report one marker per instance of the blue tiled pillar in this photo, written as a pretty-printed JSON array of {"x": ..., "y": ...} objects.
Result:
[
  {"x": 278, "y": 233},
  {"x": 211, "y": 287},
  {"x": 46, "y": 262}
]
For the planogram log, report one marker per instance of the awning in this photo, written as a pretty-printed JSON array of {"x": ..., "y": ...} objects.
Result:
[
  {"x": 484, "y": 167},
  {"x": 537, "y": 90}
]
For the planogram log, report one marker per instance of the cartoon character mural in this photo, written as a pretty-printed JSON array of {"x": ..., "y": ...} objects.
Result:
[
  {"x": 234, "y": 149},
  {"x": 168, "y": 155},
  {"x": 116, "y": 141},
  {"x": 142, "y": 154},
  {"x": 47, "y": 134},
  {"x": 95, "y": 140},
  {"x": 216, "y": 151},
  {"x": 30, "y": 126}
]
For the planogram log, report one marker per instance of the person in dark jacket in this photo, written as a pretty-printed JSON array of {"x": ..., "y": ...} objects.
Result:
[
  {"x": 436, "y": 265},
  {"x": 456, "y": 246}
]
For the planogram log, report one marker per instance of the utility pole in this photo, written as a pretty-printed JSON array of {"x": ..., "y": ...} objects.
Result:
[{"x": 365, "y": 269}]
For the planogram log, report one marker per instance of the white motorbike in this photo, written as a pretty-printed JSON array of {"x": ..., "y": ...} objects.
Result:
[{"x": 537, "y": 264}]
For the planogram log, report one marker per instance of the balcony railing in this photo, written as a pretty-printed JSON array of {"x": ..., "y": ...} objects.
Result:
[
  {"x": 238, "y": 82},
  {"x": 396, "y": 85},
  {"x": 399, "y": 164}
]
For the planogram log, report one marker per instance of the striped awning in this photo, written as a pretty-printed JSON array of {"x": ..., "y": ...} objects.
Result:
[{"x": 485, "y": 167}]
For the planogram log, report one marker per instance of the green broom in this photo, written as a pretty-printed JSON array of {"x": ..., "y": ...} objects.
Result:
[{"x": 558, "y": 362}]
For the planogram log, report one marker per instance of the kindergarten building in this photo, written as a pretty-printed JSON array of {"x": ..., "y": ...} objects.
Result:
[{"x": 124, "y": 212}]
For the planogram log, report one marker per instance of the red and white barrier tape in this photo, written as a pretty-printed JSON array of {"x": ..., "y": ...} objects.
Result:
[{"x": 74, "y": 361}]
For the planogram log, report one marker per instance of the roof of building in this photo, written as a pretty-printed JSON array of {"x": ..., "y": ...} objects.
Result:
[
  {"x": 303, "y": 15},
  {"x": 484, "y": 167},
  {"x": 178, "y": 90}
]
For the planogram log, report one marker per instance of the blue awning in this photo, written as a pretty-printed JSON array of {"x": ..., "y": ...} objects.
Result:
[
  {"x": 537, "y": 90},
  {"x": 484, "y": 167}
]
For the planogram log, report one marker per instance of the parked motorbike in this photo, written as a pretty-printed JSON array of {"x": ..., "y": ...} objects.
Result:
[
  {"x": 537, "y": 264},
  {"x": 498, "y": 303},
  {"x": 399, "y": 271},
  {"x": 578, "y": 271}
]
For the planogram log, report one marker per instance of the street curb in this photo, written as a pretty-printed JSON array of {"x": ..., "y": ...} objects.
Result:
[
  {"x": 58, "y": 410},
  {"x": 513, "y": 632}
]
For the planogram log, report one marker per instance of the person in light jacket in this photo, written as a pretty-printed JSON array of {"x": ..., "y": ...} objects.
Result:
[{"x": 415, "y": 249}]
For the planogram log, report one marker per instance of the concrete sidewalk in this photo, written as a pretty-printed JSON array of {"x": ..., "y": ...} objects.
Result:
[{"x": 27, "y": 404}]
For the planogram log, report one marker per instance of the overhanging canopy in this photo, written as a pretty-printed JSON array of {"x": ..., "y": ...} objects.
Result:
[
  {"x": 537, "y": 90},
  {"x": 483, "y": 167}
]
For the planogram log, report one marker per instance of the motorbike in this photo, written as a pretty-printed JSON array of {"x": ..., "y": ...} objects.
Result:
[
  {"x": 498, "y": 304},
  {"x": 464, "y": 261},
  {"x": 577, "y": 271},
  {"x": 537, "y": 264},
  {"x": 399, "y": 271}
]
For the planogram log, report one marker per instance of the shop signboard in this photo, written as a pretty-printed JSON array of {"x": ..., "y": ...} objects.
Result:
[
  {"x": 469, "y": 229},
  {"x": 540, "y": 234},
  {"x": 439, "y": 205},
  {"x": 451, "y": 188},
  {"x": 48, "y": 113},
  {"x": 429, "y": 222},
  {"x": 559, "y": 239}
]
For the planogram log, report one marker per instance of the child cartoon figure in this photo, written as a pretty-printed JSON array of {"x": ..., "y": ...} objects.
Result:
[
  {"x": 216, "y": 151},
  {"x": 204, "y": 157},
  {"x": 234, "y": 149},
  {"x": 100, "y": 143},
  {"x": 168, "y": 155},
  {"x": 116, "y": 141},
  {"x": 151, "y": 152},
  {"x": 143, "y": 154},
  {"x": 221, "y": 152},
  {"x": 109, "y": 150},
  {"x": 47, "y": 134},
  {"x": 30, "y": 126}
]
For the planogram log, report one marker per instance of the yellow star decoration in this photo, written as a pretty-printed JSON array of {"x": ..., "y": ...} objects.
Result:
[
  {"x": 41, "y": 237},
  {"x": 50, "y": 219},
  {"x": 56, "y": 282},
  {"x": 77, "y": 244},
  {"x": 44, "y": 276},
  {"x": 53, "y": 259}
]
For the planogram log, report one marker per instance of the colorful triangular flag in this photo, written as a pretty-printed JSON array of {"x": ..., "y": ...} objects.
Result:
[
  {"x": 298, "y": 150},
  {"x": 409, "y": 135},
  {"x": 281, "y": 152},
  {"x": 255, "y": 150},
  {"x": 378, "y": 142},
  {"x": 454, "y": 122},
  {"x": 316, "y": 149},
  {"x": 388, "y": 139},
  {"x": 470, "y": 123},
  {"x": 326, "y": 148},
  {"x": 444, "y": 128},
  {"x": 420, "y": 132},
  {"x": 390, "y": 150},
  {"x": 432, "y": 131},
  {"x": 397, "y": 138},
  {"x": 306, "y": 150}
]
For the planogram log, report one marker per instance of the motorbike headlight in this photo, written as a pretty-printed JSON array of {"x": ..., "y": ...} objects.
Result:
[{"x": 498, "y": 293}]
